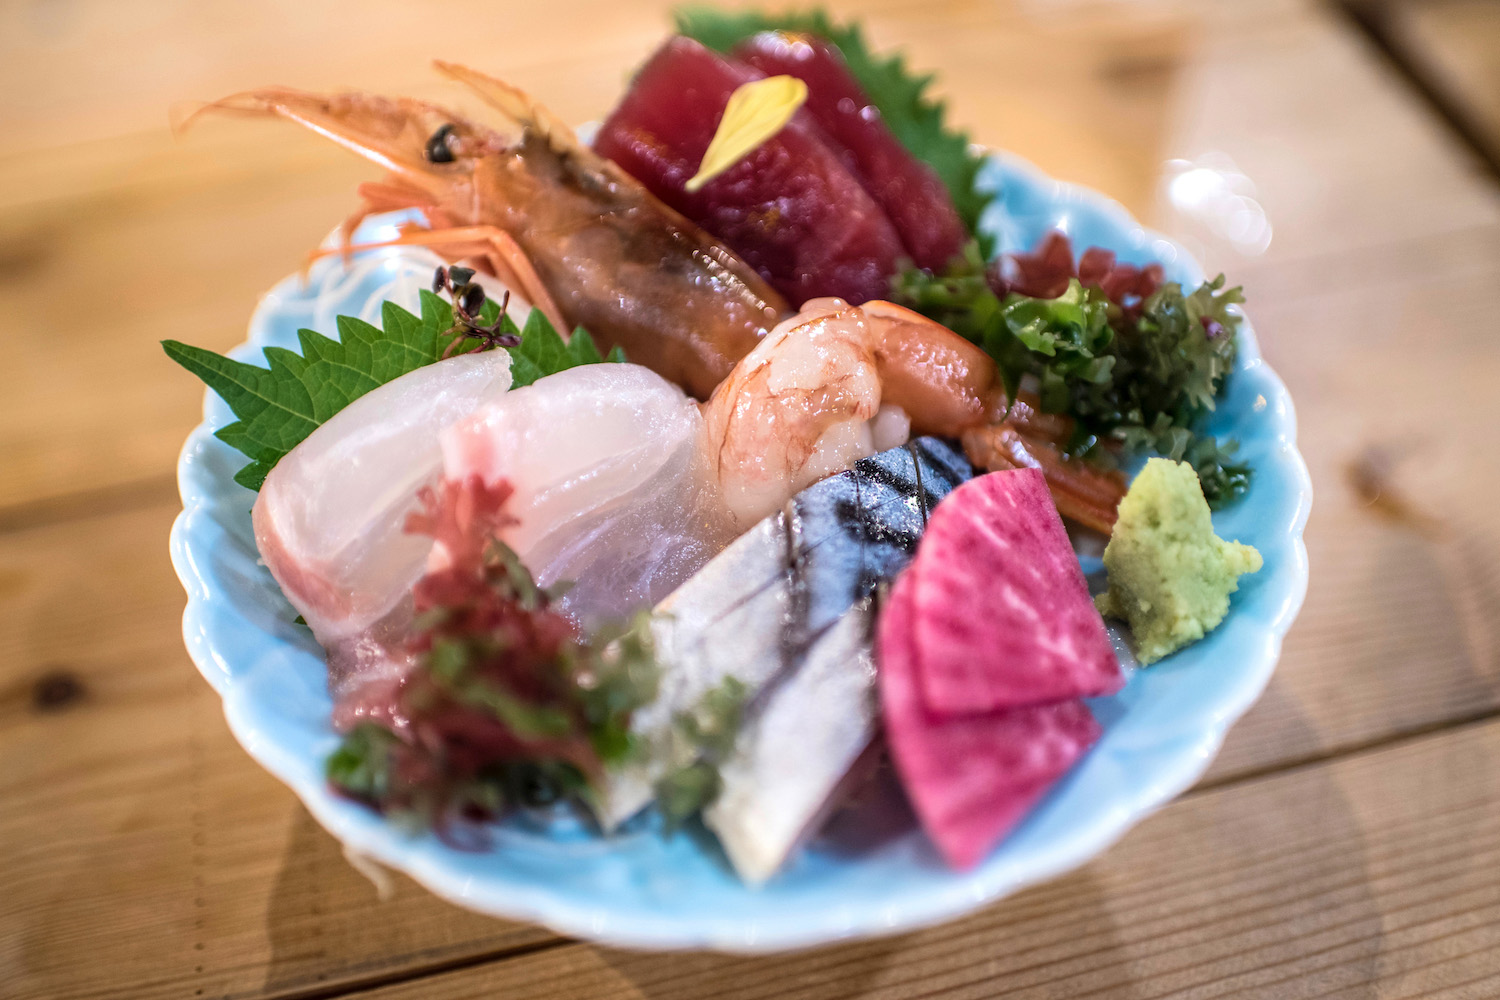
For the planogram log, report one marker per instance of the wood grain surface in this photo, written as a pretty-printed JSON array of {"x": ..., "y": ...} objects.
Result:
[
  {"x": 1451, "y": 50},
  {"x": 1386, "y": 895},
  {"x": 1343, "y": 845}
]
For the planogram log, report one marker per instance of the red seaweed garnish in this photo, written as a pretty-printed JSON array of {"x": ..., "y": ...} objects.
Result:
[
  {"x": 1044, "y": 273},
  {"x": 509, "y": 704}
]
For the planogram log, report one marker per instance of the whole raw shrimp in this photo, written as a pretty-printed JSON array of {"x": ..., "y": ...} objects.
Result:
[
  {"x": 588, "y": 245},
  {"x": 566, "y": 229},
  {"x": 837, "y": 383}
]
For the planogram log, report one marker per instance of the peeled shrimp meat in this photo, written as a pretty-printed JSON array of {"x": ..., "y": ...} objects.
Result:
[{"x": 834, "y": 384}]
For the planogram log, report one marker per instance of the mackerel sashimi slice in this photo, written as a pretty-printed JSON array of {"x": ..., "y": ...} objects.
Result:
[
  {"x": 971, "y": 778},
  {"x": 1003, "y": 616},
  {"x": 790, "y": 208},
  {"x": 772, "y": 606},
  {"x": 908, "y": 189}
]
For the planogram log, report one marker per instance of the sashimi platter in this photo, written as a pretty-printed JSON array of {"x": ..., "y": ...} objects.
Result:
[{"x": 766, "y": 520}]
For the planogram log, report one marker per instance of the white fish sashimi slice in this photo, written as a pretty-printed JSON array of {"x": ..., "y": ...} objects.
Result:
[
  {"x": 610, "y": 488},
  {"x": 722, "y": 623},
  {"x": 330, "y": 518},
  {"x": 790, "y": 760}
]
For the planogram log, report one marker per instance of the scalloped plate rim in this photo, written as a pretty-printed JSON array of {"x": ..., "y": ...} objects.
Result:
[{"x": 944, "y": 901}]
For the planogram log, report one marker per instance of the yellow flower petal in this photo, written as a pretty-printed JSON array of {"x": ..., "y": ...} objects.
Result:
[{"x": 756, "y": 111}]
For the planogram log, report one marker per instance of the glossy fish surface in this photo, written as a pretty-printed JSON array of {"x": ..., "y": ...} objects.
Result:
[
  {"x": 908, "y": 189},
  {"x": 826, "y": 712},
  {"x": 790, "y": 208},
  {"x": 758, "y": 612}
]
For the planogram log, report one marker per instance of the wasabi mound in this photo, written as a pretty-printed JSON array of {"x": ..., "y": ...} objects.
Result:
[{"x": 1170, "y": 576}]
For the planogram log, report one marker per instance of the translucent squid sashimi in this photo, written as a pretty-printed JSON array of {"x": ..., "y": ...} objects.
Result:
[
  {"x": 791, "y": 208},
  {"x": 330, "y": 519},
  {"x": 611, "y": 494}
]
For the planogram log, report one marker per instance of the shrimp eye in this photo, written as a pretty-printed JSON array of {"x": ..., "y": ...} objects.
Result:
[{"x": 438, "y": 150}]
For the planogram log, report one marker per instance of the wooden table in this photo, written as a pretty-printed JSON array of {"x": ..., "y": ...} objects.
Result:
[{"x": 1345, "y": 844}]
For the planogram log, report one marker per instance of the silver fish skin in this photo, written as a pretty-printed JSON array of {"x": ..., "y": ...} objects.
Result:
[
  {"x": 791, "y": 757},
  {"x": 759, "y": 610},
  {"x": 744, "y": 596}
]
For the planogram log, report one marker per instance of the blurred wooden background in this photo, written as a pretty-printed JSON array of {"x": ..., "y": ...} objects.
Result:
[{"x": 1345, "y": 844}]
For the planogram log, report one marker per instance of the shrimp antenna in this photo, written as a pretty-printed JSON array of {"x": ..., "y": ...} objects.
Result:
[
  {"x": 518, "y": 106},
  {"x": 185, "y": 114}
]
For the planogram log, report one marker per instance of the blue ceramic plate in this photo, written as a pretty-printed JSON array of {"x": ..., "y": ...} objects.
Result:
[{"x": 872, "y": 873}]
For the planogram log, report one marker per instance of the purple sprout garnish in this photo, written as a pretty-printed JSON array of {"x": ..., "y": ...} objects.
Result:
[{"x": 468, "y": 307}]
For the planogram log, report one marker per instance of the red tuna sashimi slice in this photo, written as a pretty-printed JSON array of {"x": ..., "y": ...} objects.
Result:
[
  {"x": 971, "y": 778},
  {"x": 908, "y": 189},
  {"x": 790, "y": 208},
  {"x": 1003, "y": 613}
]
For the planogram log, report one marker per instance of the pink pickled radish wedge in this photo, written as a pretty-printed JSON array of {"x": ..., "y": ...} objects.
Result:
[
  {"x": 971, "y": 778},
  {"x": 1002, "y": 613}
]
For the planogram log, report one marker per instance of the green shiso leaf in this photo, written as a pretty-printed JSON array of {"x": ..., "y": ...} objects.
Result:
[
  {"x": 543, "y": 352},
  {"x": 279, "y": 405}
]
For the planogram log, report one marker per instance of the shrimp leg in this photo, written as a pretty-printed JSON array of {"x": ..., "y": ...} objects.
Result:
[{"x": 495, "y": 245}]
